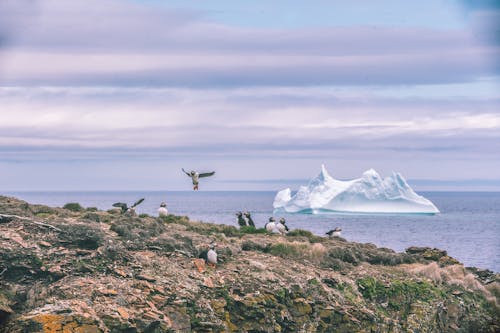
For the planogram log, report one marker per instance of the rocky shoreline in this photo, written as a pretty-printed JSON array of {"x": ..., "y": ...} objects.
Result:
[{"x": 83, "y": 270}]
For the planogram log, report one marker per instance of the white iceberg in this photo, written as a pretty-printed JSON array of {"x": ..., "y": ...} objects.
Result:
[{"x": 369, "y": 194}]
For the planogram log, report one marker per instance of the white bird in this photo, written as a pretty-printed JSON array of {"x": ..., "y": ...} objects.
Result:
[
  {"x": 271, "y": 225},
  {"x": 212, "y": 255},
  {"x": 163, "y": 211},
  {"x": 195, "y": 177},
  {"x": 335, "y": 232},
  {"x": 282, "y": 227}
]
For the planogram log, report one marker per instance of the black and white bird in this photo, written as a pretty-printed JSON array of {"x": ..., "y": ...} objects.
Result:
[
  {"x": 210, "y": 256},
  {"x": 249, "y": 219},
  {"x": 195, "y": 177},
  {"x": 163, "y": 211},
  {"x": 129, "y": 210},
  {"x": 241, "y": 220},
  {"x": 281, "y": 226},
  {"x": 271, "y": 225},
  {"x": 334, "y": 232}
]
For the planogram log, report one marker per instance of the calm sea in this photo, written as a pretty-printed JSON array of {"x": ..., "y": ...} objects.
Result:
[{"x": 468, "y": 226}]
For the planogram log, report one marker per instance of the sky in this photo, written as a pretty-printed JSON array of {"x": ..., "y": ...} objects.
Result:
[{"x": 122, "y": 94}]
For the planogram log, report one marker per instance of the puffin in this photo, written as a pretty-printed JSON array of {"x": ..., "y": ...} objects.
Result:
[
  {"x": 271, "y": 225},
  {"x": 249, "y": 219},
  {"x": 241, "y": 220},
  {"x": 210, "y": 256},
  {"x": 163, "y": 211},
  {"x": 128, "y": 210},
  {"x": 334, "y": 232},
  {"x": 195, "y": 177},
  {"x": 281, "y": 226}
]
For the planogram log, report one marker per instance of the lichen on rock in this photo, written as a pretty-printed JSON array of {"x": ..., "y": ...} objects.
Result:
[{"x": 93, "y": 271}]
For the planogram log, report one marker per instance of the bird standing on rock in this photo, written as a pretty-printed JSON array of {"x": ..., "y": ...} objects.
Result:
[
  {"x": 128, "y": 210},
  {"x": 241, "y": 220},
  {"x": 249, "y": 219},
  {"x": 282, "y": 227},
  {"x": 334, "y": 232},
  {"x": 271, "y": 225},
  {"x": 210, "y": 256},
  {"x": 163, "y": 211}
]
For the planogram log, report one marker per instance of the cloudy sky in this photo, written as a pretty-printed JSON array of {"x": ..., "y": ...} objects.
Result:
[{"x": 119, "y": 95}]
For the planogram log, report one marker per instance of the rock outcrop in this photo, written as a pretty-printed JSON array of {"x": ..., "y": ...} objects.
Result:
[{"x": 84, "y": 270}]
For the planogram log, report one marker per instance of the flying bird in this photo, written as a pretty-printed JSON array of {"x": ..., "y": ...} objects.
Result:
[
  {"x": 129, "y": 210},
  {"x": 195, "y": 177}
]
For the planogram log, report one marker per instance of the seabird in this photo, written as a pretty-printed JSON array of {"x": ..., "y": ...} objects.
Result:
[
  {"x": 241, "y": 220},
  {"x": 249, "y": 219},
  {"x": 210, "y": 256},
  {"x": 271, "y": 225},
  {"x": 163, "y": 211},
  {"x": 282, "y": 227},
  {"x": 334, "y": 232},
  {"x": 129, "y": 210},
  {"x": 195, "y": 177}
]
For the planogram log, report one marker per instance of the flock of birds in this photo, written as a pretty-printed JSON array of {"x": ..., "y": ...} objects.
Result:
[{"x": 244, "y": 219}]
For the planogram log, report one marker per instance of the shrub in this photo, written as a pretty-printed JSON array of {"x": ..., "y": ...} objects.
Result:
[
  {"x": 174, "y": 219},
  {"x": 227, "y": 230},
  {"x": 252, "y": 230},
  {"x": 251, "y": 246},
  {"x": 285, "y": 250},
  {"x": 312, "y": 238},
  {"x": 82, "y": 236},
  {"x": 40, "y": 209},
  {"x": 92, "y": 217},
  {"x": 399, "y": 294},
  {"x": 73, "y": 206}
]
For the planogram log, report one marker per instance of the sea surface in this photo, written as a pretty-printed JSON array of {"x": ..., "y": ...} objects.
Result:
[{"x": 468, "y": 226}]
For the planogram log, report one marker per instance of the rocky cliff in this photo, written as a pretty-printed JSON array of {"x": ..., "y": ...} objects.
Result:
[{"x": 77, "y": 269}]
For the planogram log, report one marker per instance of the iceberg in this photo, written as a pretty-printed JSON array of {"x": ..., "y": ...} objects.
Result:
[{"x": 370, "y": 194}]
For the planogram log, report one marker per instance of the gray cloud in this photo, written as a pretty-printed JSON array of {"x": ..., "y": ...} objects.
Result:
[
  {"x": 91, "y": 86},
  {"x": 133, "y": 45}
]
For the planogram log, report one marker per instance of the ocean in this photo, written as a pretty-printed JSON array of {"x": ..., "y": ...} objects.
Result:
[{"x": 468, "y": 226}]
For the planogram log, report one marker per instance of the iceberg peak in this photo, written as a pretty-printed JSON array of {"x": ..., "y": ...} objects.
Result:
[
  {"x": 371, "y": 173},
  {"x": 324, "y": 173},
  {"x": 369, "y": 194}
]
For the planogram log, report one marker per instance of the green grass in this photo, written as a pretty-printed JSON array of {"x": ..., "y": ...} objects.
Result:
[
  {"x": 399, "y": 294},
  {"x": 73, "y": 206},
  {"x": 312, "y": 238},
  {"x": 252, "y": 230}
]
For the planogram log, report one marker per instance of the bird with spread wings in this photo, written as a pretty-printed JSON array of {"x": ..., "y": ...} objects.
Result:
[
  {"x": 129, "y": 210},
  {"x": 195, "y": 177}
]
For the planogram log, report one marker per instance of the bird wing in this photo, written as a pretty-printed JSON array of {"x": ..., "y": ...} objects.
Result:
[
  {"x": 121, "y": 205},
  {"x": 203, "y": 254},
  {"x": 207, "y": 174},
  {"x": 137, "y": 203},
  {"x": 187, "y": 173}
]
